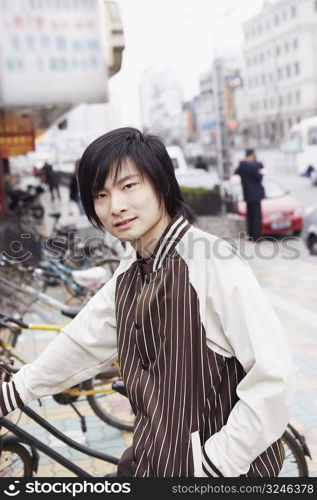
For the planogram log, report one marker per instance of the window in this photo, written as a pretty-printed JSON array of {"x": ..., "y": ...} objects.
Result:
[
  {"x": 276, "y": 20},
  {"x": 298, "y": 96},
  {"x": 316, "y": 5},
  {"x": 265, "y": 104},
  {"x": 288, "y": 71},
  {"x": 293, "y": 10},
  {"x": 286, "y": 46},
  {"x": 295, "y": 43},
  {"x": 272, "y": 102},
  {"x": 279, "y": 73},
  {"x": 277, "y": 50},
  {"x": 296, "y": 66},
  {"x": 284, "y": 15},
  {"x": 289, "y": 99},
  {"x": 280, "y": 101},
  {"x": 263, "y": 79}
]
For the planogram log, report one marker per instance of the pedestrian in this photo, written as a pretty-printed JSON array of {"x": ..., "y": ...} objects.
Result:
[
  {"x": 74, "y": 191},
  {"x": 251, "y": 173},
  {"x": 52, "y": 179},
  {"x": 203, "y": 356},
  {"x": 200, "y": 163}
]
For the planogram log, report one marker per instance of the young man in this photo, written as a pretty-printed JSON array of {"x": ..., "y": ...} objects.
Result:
[{"x": 205, "y": 360}]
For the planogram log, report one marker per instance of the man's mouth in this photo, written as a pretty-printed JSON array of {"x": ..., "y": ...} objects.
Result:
[{"x": 124, "y": 223}]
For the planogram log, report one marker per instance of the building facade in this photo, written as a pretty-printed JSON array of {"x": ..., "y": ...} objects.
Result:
[
  {"x": 280, "y": 78},
  {"x": 162, "y": 104}
]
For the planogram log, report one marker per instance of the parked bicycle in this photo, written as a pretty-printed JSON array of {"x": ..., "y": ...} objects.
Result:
[{"x": 103, "y": 392}]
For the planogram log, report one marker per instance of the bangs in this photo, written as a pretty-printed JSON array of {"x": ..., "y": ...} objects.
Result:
[{"x": 112, "y": 170}]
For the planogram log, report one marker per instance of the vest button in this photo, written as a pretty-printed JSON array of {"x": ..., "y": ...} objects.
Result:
[
  {"x": 145, "y": 366},
  {"x": 147, "y": 279},
  {"x": 137, "y": 326}
]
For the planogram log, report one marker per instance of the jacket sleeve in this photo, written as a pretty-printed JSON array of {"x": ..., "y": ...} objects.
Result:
[
  {"x": 81, "y": 350},
  {"x": 259, "y": 342}
]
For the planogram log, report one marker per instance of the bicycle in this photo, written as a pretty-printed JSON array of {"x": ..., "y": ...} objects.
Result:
[
  {"x": 102, "y": 392},
  {"x": 18, "y": 461}
]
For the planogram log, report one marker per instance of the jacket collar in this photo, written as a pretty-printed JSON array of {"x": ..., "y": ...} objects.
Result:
[{"x": 172, "y": 234}]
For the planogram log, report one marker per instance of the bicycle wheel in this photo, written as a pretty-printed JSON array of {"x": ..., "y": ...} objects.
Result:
[
  {"x": 109, "y": 405},
  {"x": 15, "y": 460},
  {"x": 295, "y": 464}
]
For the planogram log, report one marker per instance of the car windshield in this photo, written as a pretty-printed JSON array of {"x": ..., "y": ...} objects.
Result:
[{"x": 272, "y": 190}]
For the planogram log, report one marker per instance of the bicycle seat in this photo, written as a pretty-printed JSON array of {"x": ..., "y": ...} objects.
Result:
[
  {"x": 55, "y": 215},
  {"x": 71, "y": 312}
]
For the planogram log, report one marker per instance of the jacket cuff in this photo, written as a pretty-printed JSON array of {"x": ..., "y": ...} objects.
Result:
[
  {"x": 209, "y": 469},
  {"x": 9, "y": 398}
]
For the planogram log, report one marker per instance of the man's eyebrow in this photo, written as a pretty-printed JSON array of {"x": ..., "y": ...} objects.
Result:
[{"x": 127, "y": 177}]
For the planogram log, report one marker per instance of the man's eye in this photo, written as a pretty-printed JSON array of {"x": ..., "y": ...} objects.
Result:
[
  {"x": 131, "y": 184},
  {"x": 98, "y": 196}
]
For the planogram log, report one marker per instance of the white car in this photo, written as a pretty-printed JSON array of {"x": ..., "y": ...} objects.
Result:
[{"x": 189, "y": 176}]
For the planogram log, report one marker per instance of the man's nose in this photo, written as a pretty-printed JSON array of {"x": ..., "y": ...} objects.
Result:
[{"x": 118, "y": 203}]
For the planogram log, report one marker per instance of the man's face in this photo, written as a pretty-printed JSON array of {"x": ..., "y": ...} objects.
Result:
[{"x": 129, "y": 208}]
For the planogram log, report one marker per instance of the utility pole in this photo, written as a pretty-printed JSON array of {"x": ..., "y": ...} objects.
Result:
[{"x": 223, "y": 146}]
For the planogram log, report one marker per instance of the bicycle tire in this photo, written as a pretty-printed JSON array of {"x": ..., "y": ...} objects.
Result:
[
  {"x": 295, "y": 464},
  {"x": 111, "y": 407},
  {"x": 15, "y": 461}
]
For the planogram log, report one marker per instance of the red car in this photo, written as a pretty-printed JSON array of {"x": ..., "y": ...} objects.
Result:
[{"x": 281, "y": 212}]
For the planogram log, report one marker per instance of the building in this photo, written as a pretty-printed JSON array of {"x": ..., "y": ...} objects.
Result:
[
  {"x": 161, "y": 104},
  {"x": 280, "y": 68},
  {"x": 232, "y": 92}
]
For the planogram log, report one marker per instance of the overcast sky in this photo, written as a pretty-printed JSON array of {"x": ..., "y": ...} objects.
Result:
[{"x": 181, "y": 34}]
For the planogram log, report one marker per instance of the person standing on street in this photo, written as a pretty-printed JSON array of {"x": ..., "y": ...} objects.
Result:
[
  {"x": 205, "y": 361},
  {"x": 251, "y": 173},
  {"x": 52, "y": 179}
]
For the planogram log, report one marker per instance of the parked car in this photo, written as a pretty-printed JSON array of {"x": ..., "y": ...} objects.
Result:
[
  {"x": 281, "y": 212},
  {"x": 188, "y": 176},
  {"x": 310, "y": 229}
]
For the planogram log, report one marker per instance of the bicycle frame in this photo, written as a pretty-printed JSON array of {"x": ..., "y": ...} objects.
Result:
[{"x": 32, "y": 441}]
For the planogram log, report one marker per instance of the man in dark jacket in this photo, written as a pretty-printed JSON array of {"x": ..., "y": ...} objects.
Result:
[
  {"x": 52, "y": 179},
  {"x": 253, "y": 191}
]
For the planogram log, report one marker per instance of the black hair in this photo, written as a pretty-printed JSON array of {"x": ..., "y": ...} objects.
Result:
[{"x": 150, "y": 157}]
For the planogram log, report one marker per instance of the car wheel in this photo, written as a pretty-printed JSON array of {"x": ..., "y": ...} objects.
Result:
[
  {"x": 312, "y": 244},
  {"x": 297, "y": 232}
]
